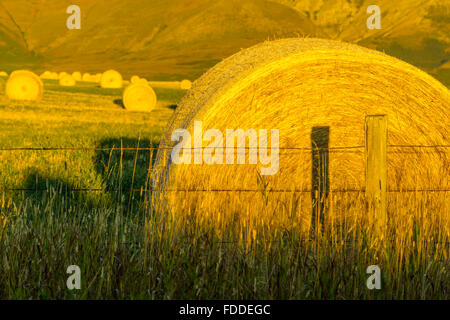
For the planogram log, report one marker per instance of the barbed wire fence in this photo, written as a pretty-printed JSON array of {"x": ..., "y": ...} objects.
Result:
[{"x": 392, "y": 149}]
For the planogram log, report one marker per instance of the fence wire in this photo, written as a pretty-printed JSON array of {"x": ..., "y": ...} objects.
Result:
[{"x": 344, "y": 149}]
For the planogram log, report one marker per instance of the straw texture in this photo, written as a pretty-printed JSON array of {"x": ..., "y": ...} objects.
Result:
[
  {"x": 24, "y": 85},
  {"x": 295, "y": 85}
]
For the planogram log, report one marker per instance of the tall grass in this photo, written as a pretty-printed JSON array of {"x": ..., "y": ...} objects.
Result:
[{"x": 126, "y": 251}]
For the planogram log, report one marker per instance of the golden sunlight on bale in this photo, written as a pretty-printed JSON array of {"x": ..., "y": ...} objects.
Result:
[
  {"x": 185, "y": 85},
  {"x": 67, "y": 81},
  {"x": 111, "y": 79},
  {"x": 139, "y": 97},
  {"x": 24, "y": 85},
  {"x": 77, "y": 76},
  {"x": 3, "y": 74},
  {"x": 312, "y": 91}
]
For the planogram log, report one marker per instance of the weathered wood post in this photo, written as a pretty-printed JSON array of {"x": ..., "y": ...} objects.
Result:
[
  {"x": 320, "y": 180},
  {"x": 376, "y": 170}
]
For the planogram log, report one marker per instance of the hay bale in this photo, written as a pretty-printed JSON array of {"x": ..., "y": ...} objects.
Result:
[
  {"x": 67, "y": 81},
  {"x": 139, "y": 97},
  {"x": 186, "y": 85},
  {"x": 24, "y": 85},
  {"x": 111, "y": 79},
  {"x": 62, "y": 75},
  {"x": 86, "y": 77},
  {"x": 297, "y": 86},
  {"x": 143, "y": 81},
  {"x": 165, "y": 84},
  {"x": 3, "y": 74},
  {"x": 46, "y": 75},
  {"x": 98, "y": 77},
  {"x": 134, "y": 79},
  {"x": 77, "y": 76}
]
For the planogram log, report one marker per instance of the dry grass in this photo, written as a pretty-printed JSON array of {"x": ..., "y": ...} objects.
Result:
[{"x": 295, "y": 85}]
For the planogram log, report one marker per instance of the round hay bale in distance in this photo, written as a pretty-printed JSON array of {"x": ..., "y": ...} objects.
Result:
[
  {"x": 111, "y": 79},
  {"x": 62, "y": 75},
  {"x": 67, "y": 81},
  {"x": 186, "y": 84},
  {"x": 86, "y": 77},
  {"x": 313, "y": 91},
  {"x": 98, "y": 77},
  {"x": 46, "y": 75},
  {"x": 139, "y": 97},
  {"x": 24, "y": 85},
  {"x": 134, "y": 79},
  {"x": 77, "y": 76}
]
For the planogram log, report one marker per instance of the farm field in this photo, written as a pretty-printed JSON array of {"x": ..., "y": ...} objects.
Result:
[
  {"x": 355, "y": 103},
  {"x": 89, "y": 207}
]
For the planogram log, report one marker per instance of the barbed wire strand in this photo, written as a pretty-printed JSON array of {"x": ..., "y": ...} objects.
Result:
[{"x": 202, "y": 148}]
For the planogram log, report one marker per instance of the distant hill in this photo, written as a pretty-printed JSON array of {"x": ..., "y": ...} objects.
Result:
[
  {"x": 417, "y": 31},
  {"x": 158, "y": 38},
  {"x": 12, "y": 42},
  {"x": 173, "y": 39}
]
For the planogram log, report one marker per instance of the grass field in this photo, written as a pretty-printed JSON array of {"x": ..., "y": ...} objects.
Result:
[{"x": 87, "y": 207}]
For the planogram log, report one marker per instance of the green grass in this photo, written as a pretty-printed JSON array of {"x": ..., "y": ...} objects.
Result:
[{"x": 125, "y": 251}]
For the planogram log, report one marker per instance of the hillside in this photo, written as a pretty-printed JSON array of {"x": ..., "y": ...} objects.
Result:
[
  {"x": 173, "y": 39},
  {"x": 163, "y": 39},
  {"x": 417, "y": 31},
  {"x": 12, "y": 42}
]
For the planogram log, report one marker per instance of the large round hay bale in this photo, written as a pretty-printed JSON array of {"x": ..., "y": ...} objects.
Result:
[
  {"x": 185, "y": 84},
  {"x": 67, "y": 81},
  {"x": 3, "y": 74},
  {"x": 24, "y": 85},
  {"x": 308, "y": 89},
  {"x": 139, "y": 97},
  {"x": 77, "y": 76},
  {"x": 111, "y": 79}
]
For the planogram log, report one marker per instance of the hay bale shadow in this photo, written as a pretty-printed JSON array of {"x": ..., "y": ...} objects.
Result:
[
  {"x": 124, "y": 167},
  {"x": 119, "y": 102}
]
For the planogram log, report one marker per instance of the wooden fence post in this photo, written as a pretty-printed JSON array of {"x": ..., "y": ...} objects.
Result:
[
  {"x": 376, "y": 169},
  {"x": 320, "y": 179}
]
